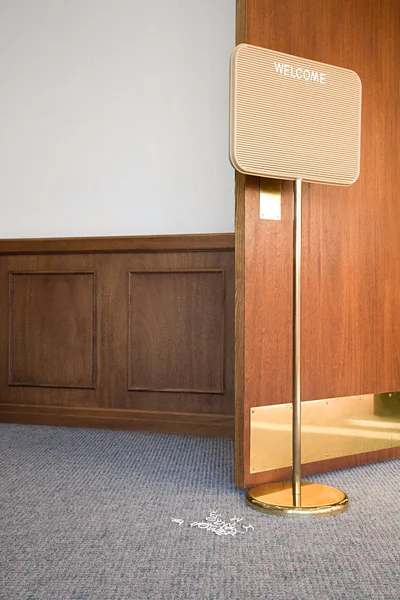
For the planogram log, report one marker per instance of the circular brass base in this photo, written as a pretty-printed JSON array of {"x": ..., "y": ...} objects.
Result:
[{"x": 317, "y": 500}]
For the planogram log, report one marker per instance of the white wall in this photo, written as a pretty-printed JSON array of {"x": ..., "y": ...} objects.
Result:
[{"x": 114, "y": 117}]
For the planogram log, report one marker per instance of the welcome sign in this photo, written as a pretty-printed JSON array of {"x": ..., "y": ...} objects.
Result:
[{"x": 293, "y": 118}]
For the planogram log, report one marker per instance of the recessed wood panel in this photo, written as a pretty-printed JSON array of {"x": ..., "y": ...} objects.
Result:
[
  {"x": 52, "y": 329},
  {"x": 176, "y": 331}
]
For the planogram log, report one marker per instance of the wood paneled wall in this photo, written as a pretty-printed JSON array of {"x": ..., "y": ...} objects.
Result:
[
  {"x": 126, "y": 333},
  {"x": 351, "y": 253}
]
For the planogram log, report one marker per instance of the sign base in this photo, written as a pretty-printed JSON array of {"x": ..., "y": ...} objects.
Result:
[{"x": 316, "y": 500}]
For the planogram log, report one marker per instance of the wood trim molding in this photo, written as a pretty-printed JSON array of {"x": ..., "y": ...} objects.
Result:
[
  {"x": 217, "y": 425},
  {"x": 239, "y": 329},
  {"x": 212, "y": 242},
  {"x": 241, "y": 21}
]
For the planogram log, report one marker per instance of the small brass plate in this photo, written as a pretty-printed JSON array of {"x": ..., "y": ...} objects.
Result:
[
  {"x": 330, "y": 428},
  {"x": 270, "y": 199},
  {"x": 316, "y": 500}
]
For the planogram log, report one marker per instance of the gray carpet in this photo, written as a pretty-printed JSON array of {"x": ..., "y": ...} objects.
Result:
[{"x": 86, "y": 514}]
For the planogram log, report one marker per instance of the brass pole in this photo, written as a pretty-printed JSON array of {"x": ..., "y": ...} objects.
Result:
[
  {"x": 294, "y": 499},
  {"x": 296, "y": 379}
]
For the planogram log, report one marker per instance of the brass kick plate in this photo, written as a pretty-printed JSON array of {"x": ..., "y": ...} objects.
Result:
[{"x": 329, "y": 429}]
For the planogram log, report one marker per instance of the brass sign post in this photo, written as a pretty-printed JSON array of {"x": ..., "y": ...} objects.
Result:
[
  {"x": 297, "y": 119},
  {"x": 296, "y": 499}
]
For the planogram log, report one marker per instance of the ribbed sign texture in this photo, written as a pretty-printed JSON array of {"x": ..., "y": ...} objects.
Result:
[{"x": 294, "y": 118}]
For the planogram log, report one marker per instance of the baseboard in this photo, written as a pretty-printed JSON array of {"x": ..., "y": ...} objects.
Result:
[{"x": 210, "y": 425}]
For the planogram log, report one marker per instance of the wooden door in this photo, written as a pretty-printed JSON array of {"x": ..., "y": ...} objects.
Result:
[{"x": 351, "y": 240}]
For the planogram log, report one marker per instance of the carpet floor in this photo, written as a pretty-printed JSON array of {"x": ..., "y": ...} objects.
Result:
[{"x": 88, "y": 515}]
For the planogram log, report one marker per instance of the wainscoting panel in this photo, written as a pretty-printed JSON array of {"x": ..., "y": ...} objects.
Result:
[
  {"x": 176, "y": 331},
  {"x": 52, "y": 333},
  {"x": 130, "y": 336}
]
